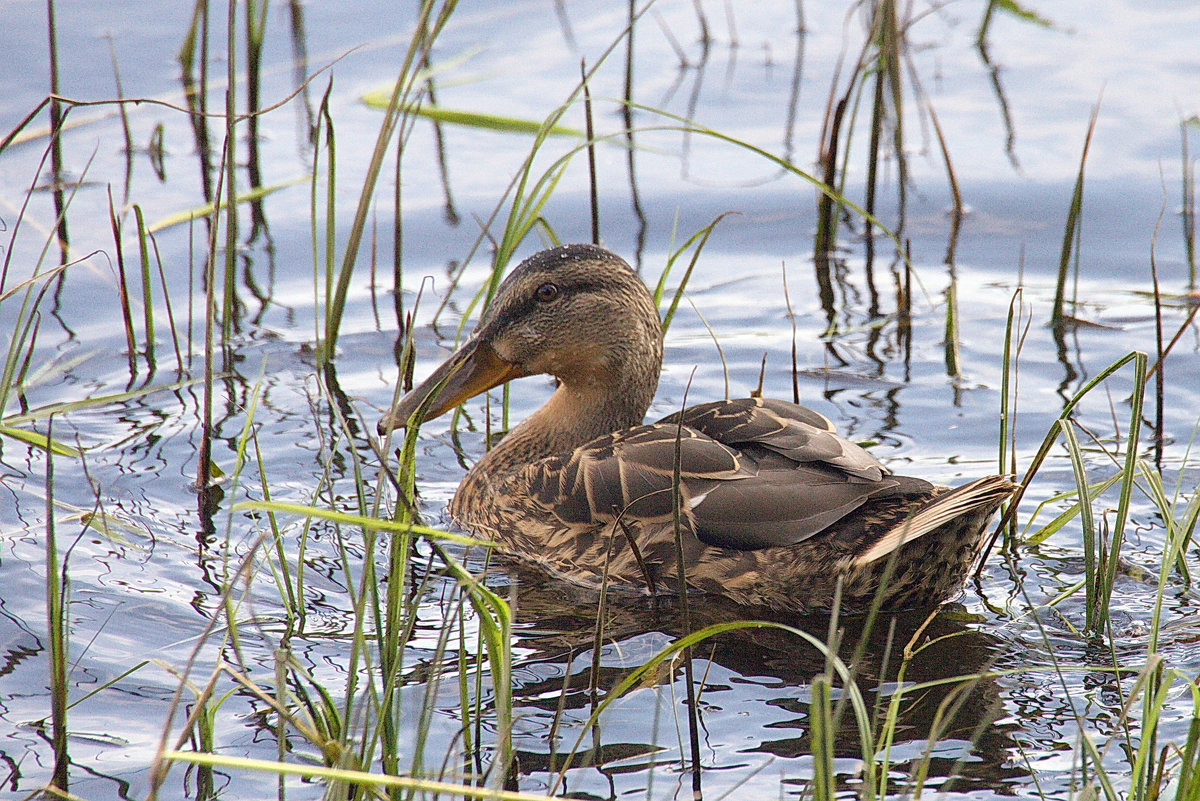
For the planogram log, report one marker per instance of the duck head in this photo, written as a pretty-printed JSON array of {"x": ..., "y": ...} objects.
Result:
[{"x": 578, "y": 313}]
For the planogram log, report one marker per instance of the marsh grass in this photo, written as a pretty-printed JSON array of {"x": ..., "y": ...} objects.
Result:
[
  {"x": 56, "y": 617},
  {"x": 385, "y": 623},
  {"x": 1072, "y": 232},
  {"x": 877, "y": 81},
  {"x": 431, "y": 18},
  {"x": 1187, "y": 204},
  {"x": 361, "y": 727}
]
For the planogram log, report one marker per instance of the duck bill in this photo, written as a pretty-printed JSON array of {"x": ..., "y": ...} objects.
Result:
[{"x": 472, "y": 369}]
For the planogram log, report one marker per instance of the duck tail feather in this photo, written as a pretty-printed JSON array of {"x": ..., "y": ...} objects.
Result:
[{"x": 984, "y": 493}]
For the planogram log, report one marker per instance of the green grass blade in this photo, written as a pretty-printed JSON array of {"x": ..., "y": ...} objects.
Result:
[
  {"x": 430, "y": 21},
  {"x": 147, "y": 297},
  {"x": 1070, "y": 230},
  {"x": 358, "y": 521},
  {"x": 42, "y": 441},
  {"x": 472, "y": 119},
  {"x": 200, "y": 212}
]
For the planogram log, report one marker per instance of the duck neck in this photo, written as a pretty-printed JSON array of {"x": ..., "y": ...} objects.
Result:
[{"x": 575, "y": 414}]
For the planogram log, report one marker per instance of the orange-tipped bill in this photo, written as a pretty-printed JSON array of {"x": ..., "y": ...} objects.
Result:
[{"x": 470, "y": 370}]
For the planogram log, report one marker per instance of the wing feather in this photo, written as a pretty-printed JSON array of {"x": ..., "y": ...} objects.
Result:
[
  {"x": 792, "y": 431},
  {"x": 754, "y": 473}
]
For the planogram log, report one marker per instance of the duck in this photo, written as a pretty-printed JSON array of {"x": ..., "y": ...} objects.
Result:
[{"x": 757, "y": 500}]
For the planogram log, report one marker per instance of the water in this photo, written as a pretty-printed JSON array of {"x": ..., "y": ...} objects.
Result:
[{"x": 145, "y": 583}]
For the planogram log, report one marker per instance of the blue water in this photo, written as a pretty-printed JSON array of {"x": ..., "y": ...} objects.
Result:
[{"x": 147, "y": 574}]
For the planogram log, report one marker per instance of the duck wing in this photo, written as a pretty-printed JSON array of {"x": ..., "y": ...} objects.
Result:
[
  {"x": 753, "y": 474},
  {"x": 799, "y": 434}
]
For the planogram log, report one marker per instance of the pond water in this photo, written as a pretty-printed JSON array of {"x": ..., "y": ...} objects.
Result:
[{"x": 148, "y": 577}]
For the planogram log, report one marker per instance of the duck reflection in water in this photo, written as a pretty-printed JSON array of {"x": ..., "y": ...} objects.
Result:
[{"x": 753, "y": 687}]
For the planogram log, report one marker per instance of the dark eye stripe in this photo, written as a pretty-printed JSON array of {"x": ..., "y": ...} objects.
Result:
[{"x": 530, "y": 302}]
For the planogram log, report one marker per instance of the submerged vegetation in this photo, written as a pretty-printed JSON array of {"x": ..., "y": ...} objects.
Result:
[{"x": 335, "y": 640}]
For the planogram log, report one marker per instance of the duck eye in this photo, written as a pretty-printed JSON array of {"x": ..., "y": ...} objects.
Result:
[{"x": 547, "y": 292}]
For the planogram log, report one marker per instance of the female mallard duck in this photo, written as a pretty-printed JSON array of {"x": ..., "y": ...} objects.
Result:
[{"x": 774, "y": 507}]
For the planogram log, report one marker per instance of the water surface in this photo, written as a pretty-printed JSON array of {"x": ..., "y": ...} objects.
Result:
[{"x": 146, "y": 585}]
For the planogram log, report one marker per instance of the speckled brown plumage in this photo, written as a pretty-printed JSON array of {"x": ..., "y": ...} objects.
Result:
[{"x": 775, "y": 508}]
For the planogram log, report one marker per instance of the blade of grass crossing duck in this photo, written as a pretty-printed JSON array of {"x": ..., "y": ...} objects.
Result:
[
  {"x": 684, "y": 606},
  {"x": 698, "y": 239}
]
